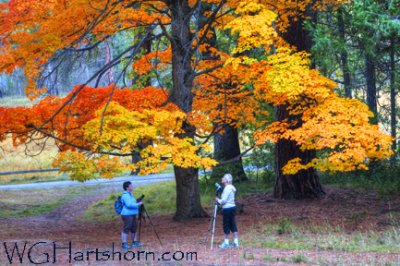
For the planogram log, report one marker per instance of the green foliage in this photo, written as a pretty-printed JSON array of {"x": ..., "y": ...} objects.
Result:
[
  {"x": 260, "y": 162},
  {"x": 368, "y": 29},
  {"x": 380, "y": 178},
  {"x": 234, "y": 168}
]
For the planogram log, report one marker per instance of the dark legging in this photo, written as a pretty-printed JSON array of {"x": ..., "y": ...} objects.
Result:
[{"x": 228, "y": 220}]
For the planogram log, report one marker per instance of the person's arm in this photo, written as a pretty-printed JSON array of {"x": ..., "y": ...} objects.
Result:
[
  {"x": 225, "y": 195},
  {"x": 130, "y": 202}
]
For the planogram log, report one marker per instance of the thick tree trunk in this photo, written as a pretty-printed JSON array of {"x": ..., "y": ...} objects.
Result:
[
  {"x": 226, "y": 147},
  {"x": 304, "y": 184},
  {"x": 393, "y": 98},
  {"x": 344, "y": 56},
  {"x": 188, "y": 196},
  {"x": 370, "y": 77}
]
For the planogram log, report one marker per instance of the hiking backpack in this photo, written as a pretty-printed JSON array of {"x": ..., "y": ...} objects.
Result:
[{"x": 118, "y": 205}]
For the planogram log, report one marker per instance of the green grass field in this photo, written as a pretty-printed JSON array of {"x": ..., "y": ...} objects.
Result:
[{"x": 19, "y": 204}]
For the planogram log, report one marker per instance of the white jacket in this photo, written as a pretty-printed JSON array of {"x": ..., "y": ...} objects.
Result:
[{"x": 228, "y": 197}]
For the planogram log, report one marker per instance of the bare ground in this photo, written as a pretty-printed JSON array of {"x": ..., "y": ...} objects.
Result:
[{"x": 350, "y": 210}]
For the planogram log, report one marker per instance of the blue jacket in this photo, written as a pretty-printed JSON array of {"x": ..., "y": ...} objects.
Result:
[{"x": 131, "y": 206}]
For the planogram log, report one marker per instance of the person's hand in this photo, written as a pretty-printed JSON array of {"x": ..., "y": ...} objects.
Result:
[
  {"x": 216, "y": 199},
  {"x": 140, "y": 203}
]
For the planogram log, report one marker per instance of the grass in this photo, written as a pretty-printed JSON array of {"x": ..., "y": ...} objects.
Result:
[
  {"x": 269, "y": 258},
  {"x": 29, "y": 178},
  {"x": 20, "y": 158},
  {"x": 18, "y": 204},
  {"x": 282, "y": 234},
  {"x": 309, "y": 236},
  {"x": 160, "y": 199},
  {"x": 299, "y": 258}
]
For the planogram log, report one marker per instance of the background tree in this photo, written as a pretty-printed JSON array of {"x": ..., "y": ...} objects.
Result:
[{"x": 369, "y": 29}]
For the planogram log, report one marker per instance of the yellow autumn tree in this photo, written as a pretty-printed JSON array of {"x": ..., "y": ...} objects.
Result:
[{"x": 337, "y": 127}]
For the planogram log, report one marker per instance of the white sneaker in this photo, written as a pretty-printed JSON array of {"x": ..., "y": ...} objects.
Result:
[
  {"x": 235, "y": 245},
  {"x": 224, "y": 245}
]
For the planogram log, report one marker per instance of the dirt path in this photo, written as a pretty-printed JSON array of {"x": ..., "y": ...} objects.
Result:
[{"x": 64, "y": 225}]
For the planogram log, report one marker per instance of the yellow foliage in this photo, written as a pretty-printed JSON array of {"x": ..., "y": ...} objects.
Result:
[
  {"x": 153, "y": 133},
  {"x": 339, "y": 127},
  {"x": 81, "y": 168},
  {"x": 254, "y": 26},
  {"x": 286, "y": 78}
]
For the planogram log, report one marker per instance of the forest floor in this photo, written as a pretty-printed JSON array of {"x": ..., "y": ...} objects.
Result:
[{"x": 302, "y": 227}]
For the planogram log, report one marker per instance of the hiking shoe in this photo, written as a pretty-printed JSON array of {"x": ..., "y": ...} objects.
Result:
[
  {"x": 235, "y": 245},
  {"x": 224, "y": 245},
  {"x": 137, "y": 244},
  {"x": 126, "y": 245}
]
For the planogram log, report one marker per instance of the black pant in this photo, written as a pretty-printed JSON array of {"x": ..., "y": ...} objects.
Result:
[
  {"x": 129, "y": 223},
  {"x": 228, "y": 220}
]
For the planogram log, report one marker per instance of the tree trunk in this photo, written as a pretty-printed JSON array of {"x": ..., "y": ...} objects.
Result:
[
  {"x": 187, "y": 194},
  {"x": 370, "y": 77},
  {"x": 344, "y": 56},
  {"x": 226, "y": 146},
  {"x": 393, "y": 99},
  {"x": 187, "y": 191},
  {"x": 304, "y": 184}
]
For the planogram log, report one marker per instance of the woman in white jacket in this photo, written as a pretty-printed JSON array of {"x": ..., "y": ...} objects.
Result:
[{"x": 227, "y": 201}]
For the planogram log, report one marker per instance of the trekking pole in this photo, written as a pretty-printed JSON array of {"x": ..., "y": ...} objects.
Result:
[
  {"x": 219, "y": 189},
  {"x": 209, "y": 227},
  {"x": 213, "y": 223}
]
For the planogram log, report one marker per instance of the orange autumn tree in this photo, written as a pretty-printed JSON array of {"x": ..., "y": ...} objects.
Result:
[
  {"x": 202, "y": 90},
  {"x": 41, "y": 33},
  {"x": 133, "y": 121}
]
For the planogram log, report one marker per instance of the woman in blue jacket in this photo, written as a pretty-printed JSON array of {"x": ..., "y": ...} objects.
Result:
[{"x": 129, "y": 211}]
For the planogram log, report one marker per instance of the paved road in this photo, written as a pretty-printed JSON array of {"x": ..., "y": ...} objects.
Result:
[{"x": 136, "y": 180}]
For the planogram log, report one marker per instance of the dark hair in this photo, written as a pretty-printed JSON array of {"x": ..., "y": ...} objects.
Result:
[{"x": 126, "y": 184}]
